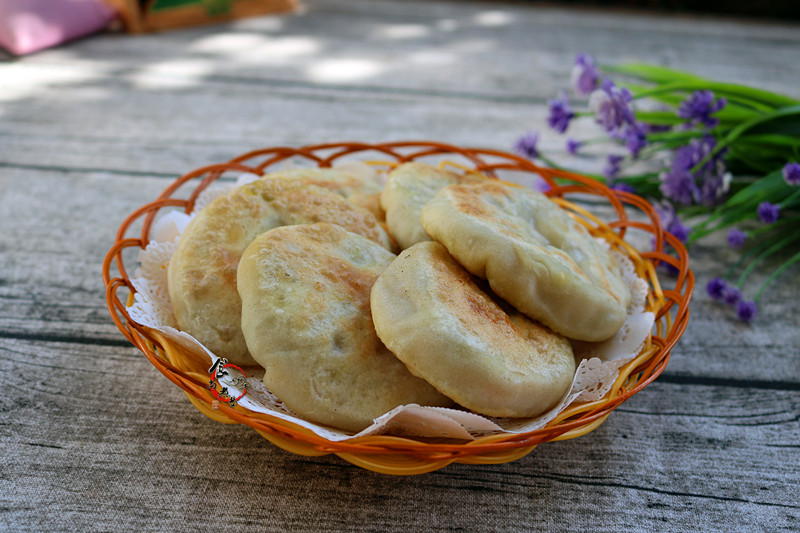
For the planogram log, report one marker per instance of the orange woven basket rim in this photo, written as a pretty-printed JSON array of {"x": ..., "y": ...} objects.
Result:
[{"x": 670, "y": 305}]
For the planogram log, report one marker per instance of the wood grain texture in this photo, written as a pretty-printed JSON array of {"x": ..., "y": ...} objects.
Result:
[{"x": 94, "y": 439}]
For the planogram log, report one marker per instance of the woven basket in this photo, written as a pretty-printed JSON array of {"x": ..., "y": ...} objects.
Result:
[{"x": 400, "y": 455}]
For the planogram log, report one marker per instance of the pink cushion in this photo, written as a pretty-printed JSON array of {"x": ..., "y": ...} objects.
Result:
[{"x": 30, "y": 25}]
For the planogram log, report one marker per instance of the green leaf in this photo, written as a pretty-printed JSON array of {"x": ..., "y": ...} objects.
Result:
[
  {"x": 759, "y": 160},
  {"x": 776, "y": 246},
  {"x": 759, "y": 121},
  {"x": 770, "y": 140},
  {"x": 783, "y": 125},
  {"x": 667, "y": 118},
  {"x": 742, "y": 94},
  {"x": 652, "y": 73},
  {"x": 734, "y": 113},
  {"x": 792, "y": 200},
  {"x": 791, "y": 261},
  {"x": 681, "y": 136},
  {"x": 671, "y": 99},
  {"x": 758, "y": 191}
]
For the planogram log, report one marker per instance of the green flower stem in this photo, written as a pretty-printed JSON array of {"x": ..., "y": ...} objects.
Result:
[
  {"x": 649, "y": 151},
  {"x": 790, "y": 200},
  {"x": 692, "y": 211},
  {"x": 772, "y": 227},
  {"x": 739, "y": 130},
  {"x": 550, "y": 163},
  {"x": 756, "y": 98},
  {"x": 773, "y": 139},
  {"x": 725, "y": 218},
  {"x": 733, "y": 113},
  {"x": 676, "y": 136},
  {"x": 762, "y": 244},
  {"x": 792, "y": 260},
  {"x": 766, "y": 253},
  {"x": 594, "y": 140},
  {"x": 745, "y": 155},
  {"x": 760, "y": 247},
  {"x": 679, "y": 135},
  {"x": 763, "y": 188},
  {"x": 666, "y": 118},
  {"x": 651, "y": 73}
]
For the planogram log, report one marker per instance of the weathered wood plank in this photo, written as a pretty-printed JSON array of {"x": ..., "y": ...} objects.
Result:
[
  {"x": 339, "y": 71},
  {"x": 123, "y": 442},
  {"x": 517, "y": 49},
  {"x": 93, "y": 437}
]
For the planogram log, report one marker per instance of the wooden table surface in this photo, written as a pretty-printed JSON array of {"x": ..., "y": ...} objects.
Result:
[{"x": 94, "y": 439}]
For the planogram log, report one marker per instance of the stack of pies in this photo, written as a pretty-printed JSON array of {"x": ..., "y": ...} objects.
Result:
[{"x": 434, "y": 288}]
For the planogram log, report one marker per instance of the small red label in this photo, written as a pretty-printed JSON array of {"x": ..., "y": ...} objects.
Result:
[{"x": 220, "y": 392}]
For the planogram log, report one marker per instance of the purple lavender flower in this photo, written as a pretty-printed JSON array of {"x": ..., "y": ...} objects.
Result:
[
  {"x": 716, "y": 287},
  {"x": 680, "y": 231},
  {"x": 573, "y": 146},
  {"x": 585, "y": 74},
  {"x": 666, "y": 212},
  {"x": 613, "y": 165},
  {"x": 541, "y": 185},
  {"x": 678, "y": 185},
  {"x": 768, "y": 213},
  {"x": 698, "y": 107},
  {"x": 736, "y": 238},
  {"x": 635, "y": 137},
  {"x": 623, "y": 186},
  {"x": 560, "y": 113},
  {"x": 657, "y": 128},
  {"x": 714, "y": 187},
  {"x": 526, "y": 145},
  {"x": 611, "y": 107},
  {"x": 607, "y": 84},
  {"x": 731, "y": 295},
  {"x": 670, "y": 221},
  {"x": 747, "y": 310},
  {"x": 791, "y": 173},
  {"x": 707, "y": 186},
  {"x": 687, "y": 157}
]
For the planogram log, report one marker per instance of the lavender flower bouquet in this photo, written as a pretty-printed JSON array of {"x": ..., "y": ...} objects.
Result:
[{"x": 718, "y": 157}]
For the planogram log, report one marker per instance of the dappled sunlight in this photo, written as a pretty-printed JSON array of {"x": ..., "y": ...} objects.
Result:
[
  {"x": 401, "y": 31},
  {"x": 22, "y": 80},
  {"x": 474, "y": 45},
  {"x": 266, "y": 48},
  {"x": 173, "y": 73},
  {"x": 270, "y": 24},
  {"x": 343, "y": 70},
  {"x": 281, "y": 51},
  {"x": 274, "y": 48},
  {"x": 494, "y": 18},
  {"x": 249, "y": 48},
  {"x": 446, "y": 25},
  {"x": 227, "y": 43},
  {"x": 432, "y": 57}
]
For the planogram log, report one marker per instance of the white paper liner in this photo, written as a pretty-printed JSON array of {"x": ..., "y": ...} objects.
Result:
[{"x": 598, "y": 363}]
